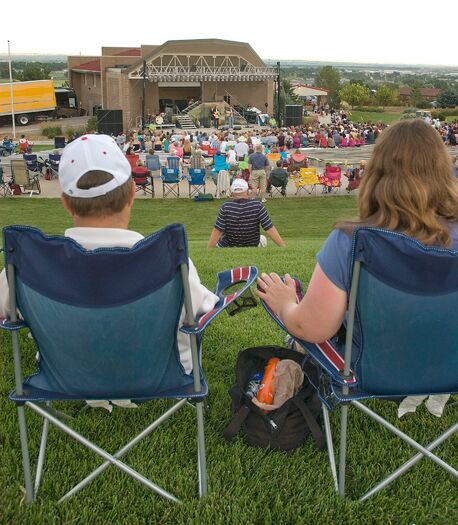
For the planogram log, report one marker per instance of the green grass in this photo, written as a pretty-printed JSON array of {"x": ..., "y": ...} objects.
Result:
[
  {"x": 247, "y": 485},
  {"x": 364, "y": 116}
]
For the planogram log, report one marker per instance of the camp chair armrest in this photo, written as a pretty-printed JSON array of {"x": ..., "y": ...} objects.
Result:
[
  {"x": 11, "y": 326},
  {"x": 225, "y": 279}
]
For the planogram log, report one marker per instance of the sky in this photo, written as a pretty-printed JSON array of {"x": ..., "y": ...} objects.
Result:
[{"x": 382, "y": 31}]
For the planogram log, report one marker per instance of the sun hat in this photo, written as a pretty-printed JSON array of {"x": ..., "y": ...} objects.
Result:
[
  {"x": 242, "y": 139},
  {"x": 239, "y": 186},
  {"x": 92, "y": 153}
]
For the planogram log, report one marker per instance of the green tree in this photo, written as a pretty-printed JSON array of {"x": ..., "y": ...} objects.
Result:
[
  {"x": 355, "y": 94},
  {"x": 387, "y": 95},
  {"x": 416, "y": 97},
  {"x": 329, "y": 78},
  {"x": 447, "y": 99},
  {"x": 34, "y": 72}
]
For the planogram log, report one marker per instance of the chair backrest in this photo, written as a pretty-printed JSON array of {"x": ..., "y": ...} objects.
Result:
[
  {"x": 20, "y": 172},
  {"x": 133, "y": 159},
  {"x": 274, "y": 157},
  {"x": 173, "y": 162},
  {"x": 407, "y": 308},
  {"x": 54, "y": 160},
  {"x": 104, "y": 326},
  {"x": 170, "y": 175},
  {"x": 212, "y": 152},
  {"x": 307, "y": 176},
  {"x": 196, "y": 176},
  {"x": 153, "y": 163}
]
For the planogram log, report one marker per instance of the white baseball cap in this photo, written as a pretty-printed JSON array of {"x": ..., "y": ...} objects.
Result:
[
  {"x": 239, "y": 186},
  {"x": 92, "y": 153}
]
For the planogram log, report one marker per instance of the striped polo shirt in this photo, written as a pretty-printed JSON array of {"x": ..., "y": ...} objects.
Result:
[{"x": 239, "y": 221}]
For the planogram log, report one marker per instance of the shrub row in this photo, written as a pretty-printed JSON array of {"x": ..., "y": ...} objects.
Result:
[
  {"x": 52, "y": 131},
  {"x": 372, "y": 109}
]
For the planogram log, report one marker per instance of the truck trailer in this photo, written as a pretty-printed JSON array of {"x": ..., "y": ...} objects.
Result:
[{"x": 36, "y": 100}]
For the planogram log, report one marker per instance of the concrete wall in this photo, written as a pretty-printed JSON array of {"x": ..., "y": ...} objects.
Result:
[{"x": 243, "y": 93}]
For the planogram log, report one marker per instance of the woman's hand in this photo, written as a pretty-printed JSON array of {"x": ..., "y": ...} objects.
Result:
[{"x": 276, "y": 293}]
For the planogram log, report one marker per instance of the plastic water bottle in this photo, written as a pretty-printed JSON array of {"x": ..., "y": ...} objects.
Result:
[{"x": 253, "y": 385}]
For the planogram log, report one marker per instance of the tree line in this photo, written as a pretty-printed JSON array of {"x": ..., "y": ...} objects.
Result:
[{"x": 23, "y": 71}]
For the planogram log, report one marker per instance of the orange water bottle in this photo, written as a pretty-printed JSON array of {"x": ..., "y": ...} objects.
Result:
[{"x": 266, "y": 392}]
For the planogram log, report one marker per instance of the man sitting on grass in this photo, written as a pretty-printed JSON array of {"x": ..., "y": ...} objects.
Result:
[
  {"x": 98, "y": 193},
  {"x": 238, "y": 221}
]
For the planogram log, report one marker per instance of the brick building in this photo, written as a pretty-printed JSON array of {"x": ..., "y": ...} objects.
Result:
[
  {"x": 429, "y": 94},
  {"x": 147, "y": 79}
]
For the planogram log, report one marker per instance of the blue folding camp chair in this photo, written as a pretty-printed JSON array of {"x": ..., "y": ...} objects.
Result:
[
  {"x": 219, "y": 163},
  {"x": 196, "y": 181},
  {"x": 153, "y": 163},
  {"x": 170, "y": 182},
  {"x": 33, "y": 164},
  {"x": 53, "y": 165},
  {"x": 173, "y": 163},
  {"x": 112, "y": 333},
  {"x": 403, "y": 307}
]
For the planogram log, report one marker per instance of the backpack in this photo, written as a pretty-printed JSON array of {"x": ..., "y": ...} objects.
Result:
[{"x": 285, "y": 428}]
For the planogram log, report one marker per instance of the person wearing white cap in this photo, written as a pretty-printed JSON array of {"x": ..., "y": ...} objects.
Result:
[
  {"x": 239, "y": 220},
  {"x": 98, "y": 192}
]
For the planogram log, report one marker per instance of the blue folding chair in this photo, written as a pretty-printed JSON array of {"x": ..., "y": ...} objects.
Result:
[
  {"x": 196, "y": 181},
  {"x": 219, "y": 163},
  {"x": 33, "y": 164},
  {"x": 53, "y": 165},
  {"x": 403, "y": 307},
  {"x": 153, "y": 163},
  {"x": 173, "y": 163},
  {"x": 112, "y": 333},
  {"x": 170, "y": 182}
]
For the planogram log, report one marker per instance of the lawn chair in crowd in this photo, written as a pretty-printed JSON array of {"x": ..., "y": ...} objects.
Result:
[
  {"x": 5, "y": 190},
  {"x": 405, "y": 298},
  {"x": 133, "y": 356},
  {"x": 273, "y": 158},
  {"x": 307, "y": 181},
  {"x": 8, "y": 147},
  {"x": 34, "y": 165},
  {"x": 331, "y": 179},
  {"x": 133, "y": 159},
  {"x": 174, "y": 163},
  {"x": 170, "y": 182},
  {"x": 354, "y": 179},
  {"x": 153, "y": 163},
  {"x": 219, "y": 163},
  {"x": 223, "y": 184},
  {"x": 196, "y": 181},
  {"x": 143, "y": 180},
  {"x": 29, "y": 181},
  {"x": 53, "y": 165},
  {"x": 211, "y": 152}
]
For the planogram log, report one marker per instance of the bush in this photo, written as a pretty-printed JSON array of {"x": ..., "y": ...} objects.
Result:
[
  {"x": 91, "y": 124},
  {"x": 408, "y": 116},
  {"x": 69, "y": 132},
  {"x": 442, "y": 113},
  {"x": 372, "y": 109},
  {"x": 409, "y": 110},
  {"x": 51, "y": 131},
  {"x": 424, "y": 104},
  {"x": 308, "y": 121}
]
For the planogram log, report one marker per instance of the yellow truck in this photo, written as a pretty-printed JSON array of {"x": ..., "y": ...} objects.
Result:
[{"x": 36, "y": 100}]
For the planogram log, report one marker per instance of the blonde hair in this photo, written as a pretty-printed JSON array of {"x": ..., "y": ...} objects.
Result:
[{"x": 409, "y": 185}]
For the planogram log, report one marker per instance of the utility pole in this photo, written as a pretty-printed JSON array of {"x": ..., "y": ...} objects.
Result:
[
  {"x": 278, "y": 95},
  {"x": 11, "y": 92}
]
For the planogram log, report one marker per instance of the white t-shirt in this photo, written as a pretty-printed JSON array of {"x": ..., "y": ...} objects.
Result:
[
  {"x": 91, "y": 238},
  {"x": 231, "y": 157},
  {"x": 241, "y": 148}
]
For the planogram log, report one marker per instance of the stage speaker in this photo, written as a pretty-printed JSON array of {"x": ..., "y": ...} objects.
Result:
[
  {"x": 293, "y": 115},
  {"x": 109, "y": 121},
  {"x": 237, "y": 128},
  {"x": 224, "y": 128}
]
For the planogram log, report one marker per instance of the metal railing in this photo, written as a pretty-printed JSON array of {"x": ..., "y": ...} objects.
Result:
[{"x": 199, "y": 73}]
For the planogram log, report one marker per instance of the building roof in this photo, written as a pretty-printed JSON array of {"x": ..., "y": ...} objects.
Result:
[
  {"x": 92, "y": 65},
  {"x": 425, "y": 92},
  {"x": 133, "y": 52},
  {"x": 309, "y": 91}
]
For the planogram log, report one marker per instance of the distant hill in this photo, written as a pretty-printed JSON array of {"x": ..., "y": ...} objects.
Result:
[{"x": 34, "y": 57}]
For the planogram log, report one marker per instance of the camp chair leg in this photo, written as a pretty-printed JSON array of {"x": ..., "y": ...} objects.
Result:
[
  {"x": 410, "y": 463},
  {"x": 29, "y": 496},
  {"x": 43, "y": 412},
  {"x": 343, "y": 448},
  {"x": 424, "y": 451},
  {"x": 202, "y": 465},
  {"x": 41, "y": 455},
  {"x": 123, "y": 450},
  {"x": 330, "y": 446}
]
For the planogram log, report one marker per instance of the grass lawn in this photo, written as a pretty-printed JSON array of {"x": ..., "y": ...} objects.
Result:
[
  {"x": 364, "y": 116},
  {"x": 246, "y": 485}
]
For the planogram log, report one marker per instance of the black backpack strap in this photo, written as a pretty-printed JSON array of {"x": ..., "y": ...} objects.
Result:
[
  {"x": 315, "y": 429},
  {"x": 236, "y": 422}
]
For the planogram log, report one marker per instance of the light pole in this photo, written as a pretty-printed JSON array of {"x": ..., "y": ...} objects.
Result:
[
  {"x": 278, "y": 95},
  {"x": 11, "y": 91}
]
